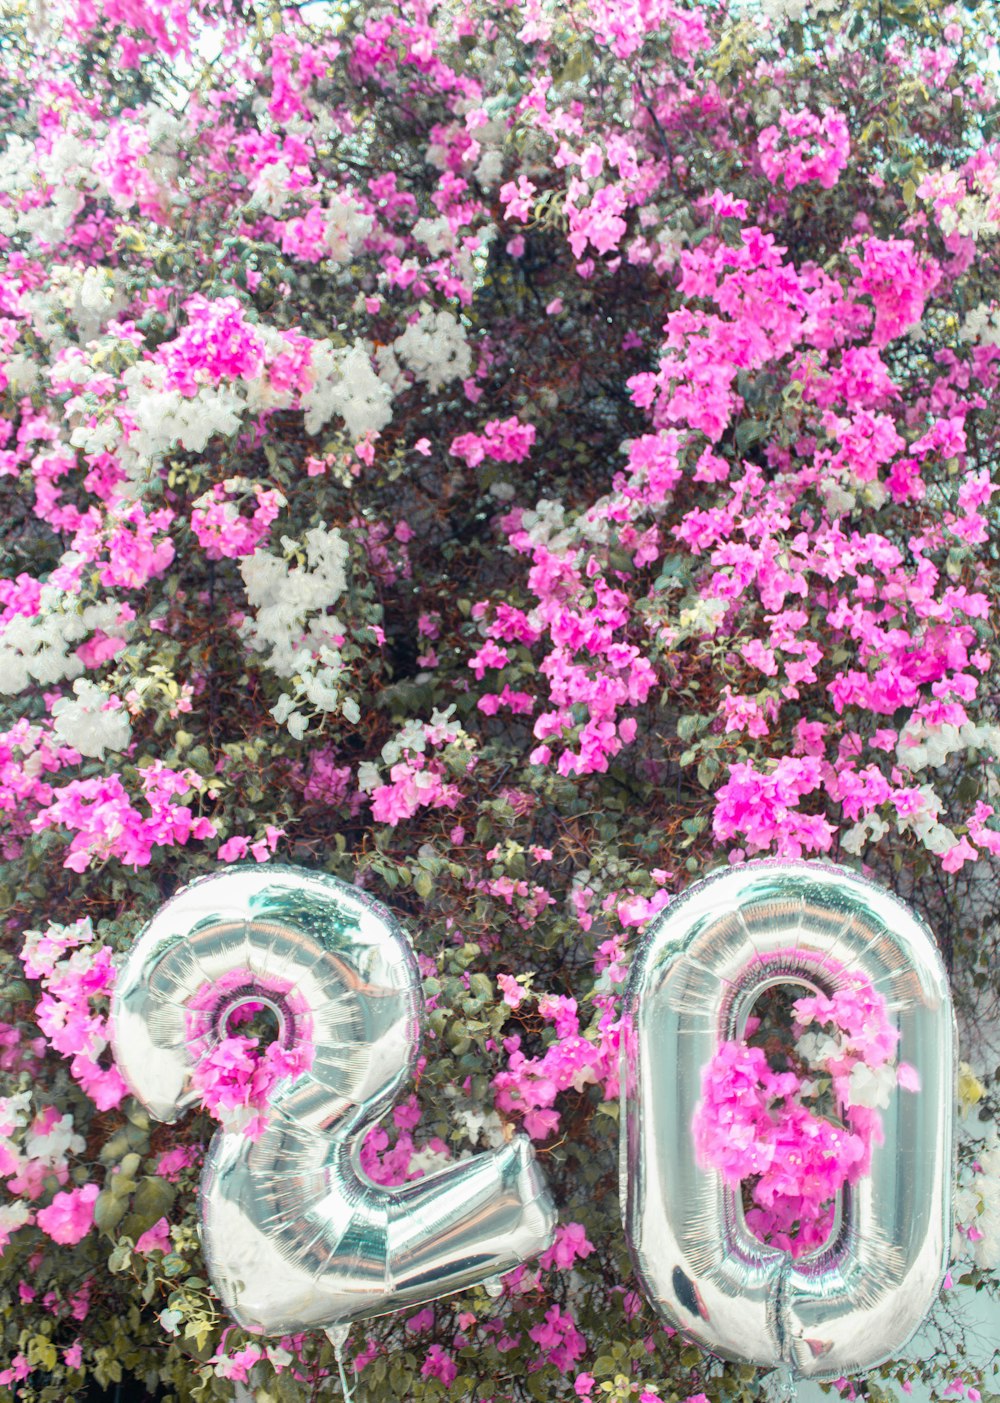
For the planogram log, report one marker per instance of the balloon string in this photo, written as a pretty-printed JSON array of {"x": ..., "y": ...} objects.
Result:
[{"x": 338, "y": 1338}]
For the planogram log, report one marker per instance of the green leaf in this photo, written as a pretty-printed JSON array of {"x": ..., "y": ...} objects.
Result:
[
  {"x": 708, "y": 770},
  {"x": 41, "y": 1352},
  {"x": 688, "y": 726},
  {"x": 120, "y": 1258},
  {"x": 154, "y": 1198},
  {"x": 108, "y": 1211},
  {"x": 749, "y": 432}
]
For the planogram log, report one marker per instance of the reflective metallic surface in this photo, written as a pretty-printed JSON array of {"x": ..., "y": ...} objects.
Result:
[
  {"x": 857, "y": 1300},
  {"x": 295, "y": 1235}
]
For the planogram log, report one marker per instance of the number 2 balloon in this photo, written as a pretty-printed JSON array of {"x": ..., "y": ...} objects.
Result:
[
  {"x": 857, "y": 1298},
  {"x": 295, "y": 1234}
]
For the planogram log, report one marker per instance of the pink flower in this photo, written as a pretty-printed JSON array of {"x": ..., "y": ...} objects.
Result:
[
  {"x": 438, "y": 1364},
  {"x": 571, "y": 1243},
  {"x": 804, "y": 147},
  {"x": 70, "y": 1215},
  {"x": 908, "y": 1077},
  {"x": 233, "y": 849},
  {"x": 172, "y": 1162},
  {"x": 512, "y": 992},
  {"x": 155, "y": 1239}
]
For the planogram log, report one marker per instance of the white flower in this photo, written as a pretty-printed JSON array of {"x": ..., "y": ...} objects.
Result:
[
  {"x": 819, "y": 1048},
  {"x": 369, "y": 777},
  {"x": 37, "y": 647},
  {"x": 435, "y": 234},
  {"x": 490, "y": 168},
  {"x": 704, "y": 616},
  {"x": 344, "y": 383},
  {"x": 869, "y": 829},
  {"x": 435, "y": 348},
  {"x": 346, "y": 228},
  {"x": 293, "y": 628},
  {"x": 170, "y": 1319},
  {"x": 871, "y": 1086},
  {"x": 93, "y": 723},
  {"x": 56, "y": 1144},
  {"x": 427, "y": 1160},
  {"x": 270, "y": 188},
  {"x": 13, "y": 1216}
]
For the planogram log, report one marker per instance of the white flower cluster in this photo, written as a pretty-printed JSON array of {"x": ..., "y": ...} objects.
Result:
[
  {"x": 270, "y": 188},
  {"x": 976, "y": 214},
  {"x": 977, "y": 1208},
  {"x": 292, "y": 626},
  {"x": 163, "y": 418},
  {"x": 14, "y": 1112},
  {"x": 36, "y": 648},
  {"x": 344, "y": 383},
  {"x": 869, "y": 829},
  {"x": 93, "y": 722},
  {"x": 64, "y": 172},
  {"x": 923, "y": 746},
  {"x": 923, "y": 820},
  {"x": 435, "y": 348},
  {"x": 71, "y": 168},
  {"x": 56, "y": 1144},
  {"x": 982, "y": 325},
  {"x": 867, "y": 1086},
  {"x": 13, "y": 1215},
  {"x": 428, "y": 1160},
  {"x": 74, "y": 306},
  {"x": 435, "y": 234},
  {"x": 149, "y": 420},
  {"x": 546, "y": 526},
  {"x": 347, "y": 227},
  {"x": 480, "y": 1126}
]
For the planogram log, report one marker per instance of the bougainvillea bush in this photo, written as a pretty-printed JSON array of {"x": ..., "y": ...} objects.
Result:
[{"x": 515, "y": 457}]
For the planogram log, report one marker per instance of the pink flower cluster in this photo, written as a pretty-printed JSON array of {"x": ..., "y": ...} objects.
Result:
[
  {"x": 260, "y": 849},
  {"x": 418, "y": 780},
  {"x": 396, "y": 1160},
  {"x": 764, "y": 808},
  {"x": 75, "y": 970},
  {"x": 107, "y": 824},
  {"x": 70, "y": 1215},
  {"x": 222, "y": 529},
  {"x": 503, "y": 440},
  {"x": 803, "y": 147},
  {"x": 216, "y": 344},
  {"x": 235, "y": 1075},
  {"x": 755, "y": 1124},
  {"x": 528, "y": 1086}
]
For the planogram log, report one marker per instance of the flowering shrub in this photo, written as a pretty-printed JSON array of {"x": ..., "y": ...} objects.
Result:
[{"x": 515, "y": 457}]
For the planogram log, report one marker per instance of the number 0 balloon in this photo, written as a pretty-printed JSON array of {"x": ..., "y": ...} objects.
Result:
[
  {"x": 295, "y": 1235},
  {"x": 857, "y": 1299}
]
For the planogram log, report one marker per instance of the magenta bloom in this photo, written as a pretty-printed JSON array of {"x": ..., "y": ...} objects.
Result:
[{"x": 70, "y": 1215}]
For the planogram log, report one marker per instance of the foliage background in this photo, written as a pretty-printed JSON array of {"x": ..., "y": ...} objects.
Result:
[{"x": 634, "y": 366}]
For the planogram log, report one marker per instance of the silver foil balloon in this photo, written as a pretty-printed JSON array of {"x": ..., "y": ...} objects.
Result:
[
  {"x": 295, "y": 1234},
  {"x": 857, "y": 1299}
]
